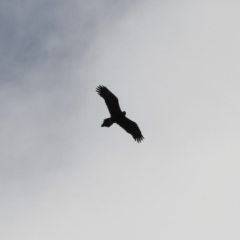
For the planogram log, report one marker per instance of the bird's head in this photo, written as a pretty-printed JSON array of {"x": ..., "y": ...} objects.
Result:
[{"x": 124, "y": 113}]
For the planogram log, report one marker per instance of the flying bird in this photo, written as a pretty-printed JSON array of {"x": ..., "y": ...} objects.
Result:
[{"x": 117, "y": 116}]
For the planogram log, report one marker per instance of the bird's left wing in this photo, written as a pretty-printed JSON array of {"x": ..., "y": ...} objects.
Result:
[
  {"x": 110, "y": 99},
  {"x": 131, "y": 127}
]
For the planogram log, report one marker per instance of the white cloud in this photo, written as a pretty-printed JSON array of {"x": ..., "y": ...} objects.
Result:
[{"x": 174, "y": 67}]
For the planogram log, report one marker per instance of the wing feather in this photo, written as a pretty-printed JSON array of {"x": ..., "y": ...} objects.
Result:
[
  {"x": 110, "y": 99},
  {"x": 131, "y": 127}
]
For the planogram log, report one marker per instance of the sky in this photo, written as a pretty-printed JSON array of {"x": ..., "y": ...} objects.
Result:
[{"x": 174, "y": 66}]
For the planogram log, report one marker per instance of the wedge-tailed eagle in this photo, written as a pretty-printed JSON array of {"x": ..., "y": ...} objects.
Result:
[{"x": 117, "y": 116}]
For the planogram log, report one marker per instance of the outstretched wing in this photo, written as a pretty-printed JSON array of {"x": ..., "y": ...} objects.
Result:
[
  {"x": 110, "y": 100},
  {"x": 131, "y": 127}
]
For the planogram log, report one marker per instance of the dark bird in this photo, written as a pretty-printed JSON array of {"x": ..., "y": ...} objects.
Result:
[{"x": 117, "y": 116}]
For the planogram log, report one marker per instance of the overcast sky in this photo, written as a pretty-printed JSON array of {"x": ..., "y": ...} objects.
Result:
[{"x": 174, "y": 65}]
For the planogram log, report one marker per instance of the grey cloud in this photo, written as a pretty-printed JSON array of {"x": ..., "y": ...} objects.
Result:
[{"x": 43, "y": 44}]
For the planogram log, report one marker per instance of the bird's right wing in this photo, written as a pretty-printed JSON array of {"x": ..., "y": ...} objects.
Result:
[
  {"x": 110, "y": 99},
  {"x": 131, "y": 127}
]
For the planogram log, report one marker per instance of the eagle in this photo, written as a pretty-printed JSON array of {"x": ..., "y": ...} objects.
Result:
[{"x": 117, "y": 116}]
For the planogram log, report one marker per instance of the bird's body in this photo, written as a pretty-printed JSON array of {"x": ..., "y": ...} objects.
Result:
[{"x": 117, "y": 115}]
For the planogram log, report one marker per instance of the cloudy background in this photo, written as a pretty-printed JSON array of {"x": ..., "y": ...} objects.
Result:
[{"x": 174, "y": 65}]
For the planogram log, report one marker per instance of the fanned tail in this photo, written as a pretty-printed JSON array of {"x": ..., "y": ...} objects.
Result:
[{"x": 107, "y": 122}]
